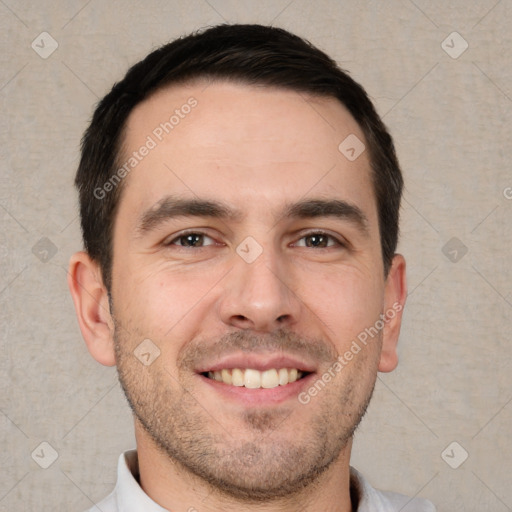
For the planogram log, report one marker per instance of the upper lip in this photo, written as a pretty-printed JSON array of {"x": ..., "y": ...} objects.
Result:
[{"x": 258, "y": 361}]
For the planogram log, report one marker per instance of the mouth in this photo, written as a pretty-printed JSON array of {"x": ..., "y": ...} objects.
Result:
[
  {"x": 252, "y": 378},
  {"x": 258, "y": 378}
]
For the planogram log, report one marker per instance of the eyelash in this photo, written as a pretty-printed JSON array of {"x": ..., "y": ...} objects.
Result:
[
  {"x": 337, "y": 241},
  {"x": 183, "y": 235},
  {"x": 170, "y": 243}
]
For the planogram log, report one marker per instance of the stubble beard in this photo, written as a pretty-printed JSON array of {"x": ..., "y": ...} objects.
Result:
[{"x": 264, "y": 463}]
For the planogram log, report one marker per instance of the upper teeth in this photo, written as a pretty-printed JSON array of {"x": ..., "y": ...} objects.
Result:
[{"x": 251, "y": 378}]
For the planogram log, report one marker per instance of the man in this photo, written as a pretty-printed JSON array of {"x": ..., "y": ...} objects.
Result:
[{"x": 239, "y": 202}]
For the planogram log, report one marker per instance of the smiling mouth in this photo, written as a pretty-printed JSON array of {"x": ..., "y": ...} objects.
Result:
[{"x": 254, "y": 379}]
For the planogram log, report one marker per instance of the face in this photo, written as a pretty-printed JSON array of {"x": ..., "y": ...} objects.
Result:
[{"x": 247, "y": 249}]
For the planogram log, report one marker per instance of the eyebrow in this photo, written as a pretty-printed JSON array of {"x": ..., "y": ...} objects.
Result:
[
  {"x": 171, "y": 207},
  {"x": 342, "y": 210}
]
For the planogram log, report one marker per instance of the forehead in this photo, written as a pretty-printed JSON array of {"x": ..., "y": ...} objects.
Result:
[{"x": 241, "y": 142}]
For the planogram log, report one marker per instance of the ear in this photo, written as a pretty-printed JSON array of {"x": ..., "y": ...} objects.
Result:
[
  {"x": 395, "y": 294},
  {"x": 92, "y": 307}
]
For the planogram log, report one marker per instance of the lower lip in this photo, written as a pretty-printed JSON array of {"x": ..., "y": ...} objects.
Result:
[{"x": 260, "y": 396}]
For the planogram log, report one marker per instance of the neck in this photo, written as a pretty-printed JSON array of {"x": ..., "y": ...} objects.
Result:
[{"x": 174, "y": 488}]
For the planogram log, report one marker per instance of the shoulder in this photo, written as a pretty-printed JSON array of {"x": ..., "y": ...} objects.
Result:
[
  {"x": 373, "y": 500},
  {"x": 108, "y": 504},
  {"x": 127, "y": 495},
  {"x": 124, "y": 476},
  {"x": 402, "y": 503}
]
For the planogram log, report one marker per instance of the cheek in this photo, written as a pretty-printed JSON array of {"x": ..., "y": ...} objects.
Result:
[
  {"x": 346, "y": 300},
  {"x": 164, "y": 302}
]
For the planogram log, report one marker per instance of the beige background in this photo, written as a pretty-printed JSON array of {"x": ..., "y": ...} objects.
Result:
[{"x": 451, "y": 121}]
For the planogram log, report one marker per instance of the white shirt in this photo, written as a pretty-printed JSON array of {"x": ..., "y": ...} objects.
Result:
[{"x": 128, "y": 496}]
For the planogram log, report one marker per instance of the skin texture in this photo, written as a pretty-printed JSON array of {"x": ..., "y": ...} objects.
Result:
[{"x": 257, "y": 151}]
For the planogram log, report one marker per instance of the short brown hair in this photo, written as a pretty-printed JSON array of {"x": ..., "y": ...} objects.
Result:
[{"x": 251, "y": 54}]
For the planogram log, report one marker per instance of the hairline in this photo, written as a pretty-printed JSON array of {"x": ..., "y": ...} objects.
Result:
[{"x": 211, "y": 79}]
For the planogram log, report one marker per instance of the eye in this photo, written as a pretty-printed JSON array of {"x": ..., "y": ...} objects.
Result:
[
  {"x": 318, "y": 240},
  {"x": 191, "y": 239}
]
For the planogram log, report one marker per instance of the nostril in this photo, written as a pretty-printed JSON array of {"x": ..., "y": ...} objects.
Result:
[{"x": 241, "y": 322}]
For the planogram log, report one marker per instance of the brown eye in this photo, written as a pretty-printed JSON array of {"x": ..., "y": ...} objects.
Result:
[
  {"x": 192, "y": 240},
  {"x": 318, "y": 240}
]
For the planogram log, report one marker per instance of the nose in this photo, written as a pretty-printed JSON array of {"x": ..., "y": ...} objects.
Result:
[{"x": 257, "y": 297}]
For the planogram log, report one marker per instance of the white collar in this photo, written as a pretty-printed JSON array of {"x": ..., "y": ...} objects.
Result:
[{"x": 128, "y": 495}]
